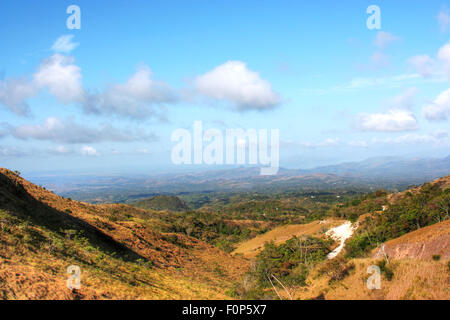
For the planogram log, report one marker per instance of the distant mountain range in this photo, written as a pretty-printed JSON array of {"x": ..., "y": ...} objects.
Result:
[
  {"x": 383, "y": 172},
  {"x": 391, "y": 168}
]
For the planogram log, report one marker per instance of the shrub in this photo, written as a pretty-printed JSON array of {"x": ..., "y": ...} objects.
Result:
[
  {"x": 290, "y": 262},
  {"x": 337, "y": 269},
  {"x": 388, "y": 273}
]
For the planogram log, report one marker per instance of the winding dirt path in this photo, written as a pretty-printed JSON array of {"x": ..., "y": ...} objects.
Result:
[{"x": 341, "y": 234}]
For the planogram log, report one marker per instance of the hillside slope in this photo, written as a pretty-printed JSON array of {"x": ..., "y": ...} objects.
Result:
[
  {"x": 119, "y": 249},
  {"x": 162, "y": 202},
  {"x": 413, "y": 227},
  {"x": 250, "y": 248},
  {"x": 424, "y": 243}
]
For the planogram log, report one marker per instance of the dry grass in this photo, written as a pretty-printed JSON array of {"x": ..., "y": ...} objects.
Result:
[
  {"x": 250, "y": 248},
  {"x": 413, "y": 279},
  {"x": 423, "y": 243},
  {"x": 121, "y": 253}
]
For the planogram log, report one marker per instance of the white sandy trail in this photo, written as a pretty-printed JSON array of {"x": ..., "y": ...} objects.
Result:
[{"x": 340, "y": 233}]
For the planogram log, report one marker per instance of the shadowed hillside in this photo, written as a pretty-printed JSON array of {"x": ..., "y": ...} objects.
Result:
[{"x": 119, "y": 249}]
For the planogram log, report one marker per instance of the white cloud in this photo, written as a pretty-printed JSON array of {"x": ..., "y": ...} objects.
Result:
[
  {"x": 61, "y": 77},
  {"x": 438, "y": 68},
  {"x": 366, "y": 82},
  {"x": 134, "y": 98},
  {"x": 14, "y": 94},
  {"x": 89, "y": 151},
  {"x": 67, "y": 131},
  {"x": 423, "y": 64},
  {"x": 11, "y": 152},
  {"x": 444, "y": 57},
  {"x": 399, "y": 117},
  {"x": 58, "y": 74},
  {"x": 64, "y": 44},
  {"x": 405, "y": 100},
  {"x": 60, "y": 150},
  {"x": 439, "y": 108},
  {"x": 383, "y": 39},
  {"x": 392, "y": 120},
  {"x": 234, "y": 83},
  {"x": 439, "y": 138},
  {"x": 329, "y": 142},
  {"x": 444, "y": 19}
]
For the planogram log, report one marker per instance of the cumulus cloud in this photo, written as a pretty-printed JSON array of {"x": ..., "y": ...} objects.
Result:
[
  {"x": 399, "y": 117},
  {"x": 433, "y": 67},
  {"x": 58, "y": 74},
  {"x": 64, "y": 44},
  {"x": 392, "y": 120},
  {"x": 61, "y": 77},
  {"x": 423, "y": 64},
  {"x": 89, "y": 151},
  {"x": 67, "y": 131},
  {"x": 234, "y": 83},
  {"x": 383, "y": 39},
  {"x": 14, "y": 94},
  {"x": 132, "y": 99},
  {"x": 439, "y": 108}
]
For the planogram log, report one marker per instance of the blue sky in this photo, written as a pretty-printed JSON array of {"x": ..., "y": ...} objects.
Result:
[{"x": 108, "y": 96}]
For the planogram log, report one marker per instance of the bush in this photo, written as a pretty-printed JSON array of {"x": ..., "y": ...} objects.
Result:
[
  {"x": 290, "y": 262},
  {"x": 437, "y": 257},
  {"x": 388, "y": 273},
  {"x": 337, "y": 269}
]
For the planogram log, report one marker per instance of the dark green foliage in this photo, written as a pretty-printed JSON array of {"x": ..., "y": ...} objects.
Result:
[
  {"x": 337, "y": 269},
  {"x": 414, "y": 211},
  {"x": 385, "y": 269},
  {"x": 163, "y": 202},
  {"x": 353, "y": 208},
  {"x": 210, "y": 227},
  {"x": 281, "y": 265},
  {"x": 290, "y": 261}
]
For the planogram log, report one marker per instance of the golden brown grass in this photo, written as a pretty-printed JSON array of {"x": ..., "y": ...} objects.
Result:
[
  {"x": 250, "y": 248},
  {"x": 413, "y": 279},
  {"x": 121, "y": 253},
  {"x": 423, "y": 243}
]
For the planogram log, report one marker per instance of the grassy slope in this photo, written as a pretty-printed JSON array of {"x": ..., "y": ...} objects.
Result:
[
  {"x": 418, "y": 260},
  {"x": 252, "y": 247},
  {"x": 124, "y": 254},
  {"x": 118, "y": 247},
  {"x": 413, "y": 279}
]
